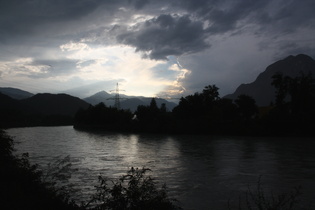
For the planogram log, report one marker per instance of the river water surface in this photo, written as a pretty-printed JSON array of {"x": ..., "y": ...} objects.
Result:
[{"x": 201, "y": 171}]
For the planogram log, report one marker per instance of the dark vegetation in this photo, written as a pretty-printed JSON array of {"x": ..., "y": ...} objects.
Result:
[
  {"x": 259, "y": 199},
  {"x": 132, "y": 191},
  {"x": 294, "y": 108},
  {"x": 205, "y": 112},
  {"x": 101, "y": 116},
  {"x": 21, "y": 183}
]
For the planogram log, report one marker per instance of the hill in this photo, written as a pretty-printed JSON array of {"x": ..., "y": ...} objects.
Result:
[
  {"x": 40, "y": 109},
  {"x": 9, "y": 103},
  {"x": 262, "y": 90},
  {"x": 99, "y": 97},
  {"x": 15, "y": 93},
  {"x": 10, "y": 111},
  {"x": 55, "y": 104}
]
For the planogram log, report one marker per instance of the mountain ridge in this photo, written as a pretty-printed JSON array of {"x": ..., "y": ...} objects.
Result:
[
  {"x": 262, "y": 90},
  {"x": 55, "y": 104},
  {"x": 40, "y": 109},
  {"x": 15, "y": 93}
]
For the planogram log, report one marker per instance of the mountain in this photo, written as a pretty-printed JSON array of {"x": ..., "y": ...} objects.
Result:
[
  {"x": 131, "y": 104},
  {"x": 55, "y": 104},
  {"x": 262, "y": 90},
  {"x": 8, "y": 103},
  {"x": 40, "y": 109},
  {"x": 15, "y": 93},
  {"x": 99, "y": 97},
  {"x": 126, "y": 102}
]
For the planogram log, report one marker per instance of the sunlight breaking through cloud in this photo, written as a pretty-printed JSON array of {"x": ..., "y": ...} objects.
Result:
[{"x": 218, "y": 42}]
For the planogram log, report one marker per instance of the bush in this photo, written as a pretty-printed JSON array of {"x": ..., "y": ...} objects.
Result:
[
  {"x": 21, "y": 183},
  {"x": 133, "y": 191},
  {"x": 260, "y": 200}
]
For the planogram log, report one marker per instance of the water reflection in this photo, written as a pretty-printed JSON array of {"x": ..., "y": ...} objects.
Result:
[{"x": 201, "y": 171}]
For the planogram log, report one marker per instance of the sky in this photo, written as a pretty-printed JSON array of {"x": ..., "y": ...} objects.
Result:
[{"x": 153, "y": 48}]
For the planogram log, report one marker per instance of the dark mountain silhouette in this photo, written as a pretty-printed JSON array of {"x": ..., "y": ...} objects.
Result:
[
  {"x": 12, "y": 112},
  {"x": 127, "y": 102},
  {"x": 40, "y": 109},
  {"x": 15, "y": 93},
  {"x": 262, "y": 90},
  {"x": 131, "y": 104},
  {"x": 9, "y": 103},
  {"x": 99, "y": 97},
  {"x": 55, "y": 104}
]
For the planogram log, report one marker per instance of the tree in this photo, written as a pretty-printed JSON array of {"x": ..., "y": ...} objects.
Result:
[
  {"x": 281, "y": 84},
  {"x": 246, "y": 106},
  {"x": 211, "y": 93},
  {"x": 153, "y": 105},
  {"x": 300, "y": 89},
  {"x": 301, "y": 92},
  {"x": 101, "y": 116},
  {"x": 163, "y": 108},
  {"x": 153, "y": 119}
]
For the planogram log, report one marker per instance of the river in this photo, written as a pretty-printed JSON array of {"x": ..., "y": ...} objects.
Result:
[{"x": 201, "y": 171}]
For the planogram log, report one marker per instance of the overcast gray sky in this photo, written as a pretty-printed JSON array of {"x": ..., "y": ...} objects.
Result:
[{"x": 151, "y": 47}]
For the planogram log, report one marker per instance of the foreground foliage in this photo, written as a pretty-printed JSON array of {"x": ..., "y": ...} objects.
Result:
[
  {"x": 21, "y": 183},
  {"x": 133, "y": 191},
  {"x": 258, "y": 199}
]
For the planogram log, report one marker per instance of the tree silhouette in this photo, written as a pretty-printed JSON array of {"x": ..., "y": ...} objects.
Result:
[
  {"x": 103, "y": 117},
  {"x": 300, "y": 89},
  {"x": 246, "y": 105},
  {"x": 200, "y": 111},
  {"x": 281, "y": 84},
  {"x": 154, "y": 119},
  {"x": 211, "y": 93}
]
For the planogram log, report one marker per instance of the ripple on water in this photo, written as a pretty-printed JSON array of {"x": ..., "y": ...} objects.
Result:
[{"x": 200, "y": 171}]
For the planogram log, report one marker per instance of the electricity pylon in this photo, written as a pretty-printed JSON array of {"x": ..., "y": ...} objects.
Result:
[{"x": 117, "y": 96}]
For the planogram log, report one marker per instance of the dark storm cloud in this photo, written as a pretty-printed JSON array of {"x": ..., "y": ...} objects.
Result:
[
  {"x": 21, "y": 18},
  {"x": 195, "y": 29},
  {"x": 139, "y": 4},
  {"x": 24, "y": 16},
  {"x": 225, "y": 14},
  {"x": 198, "y": 20},
  {"x": 284, "y": 17},
  {"x": 167, "y": 35},
  {"x": 185, "y": 31}
]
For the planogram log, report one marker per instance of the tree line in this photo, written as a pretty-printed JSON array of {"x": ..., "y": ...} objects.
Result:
[{"x": 206, "y": 112}]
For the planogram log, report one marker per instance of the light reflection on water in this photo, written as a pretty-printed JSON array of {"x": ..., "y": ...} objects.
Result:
[{"x": 200, "y": 171}]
